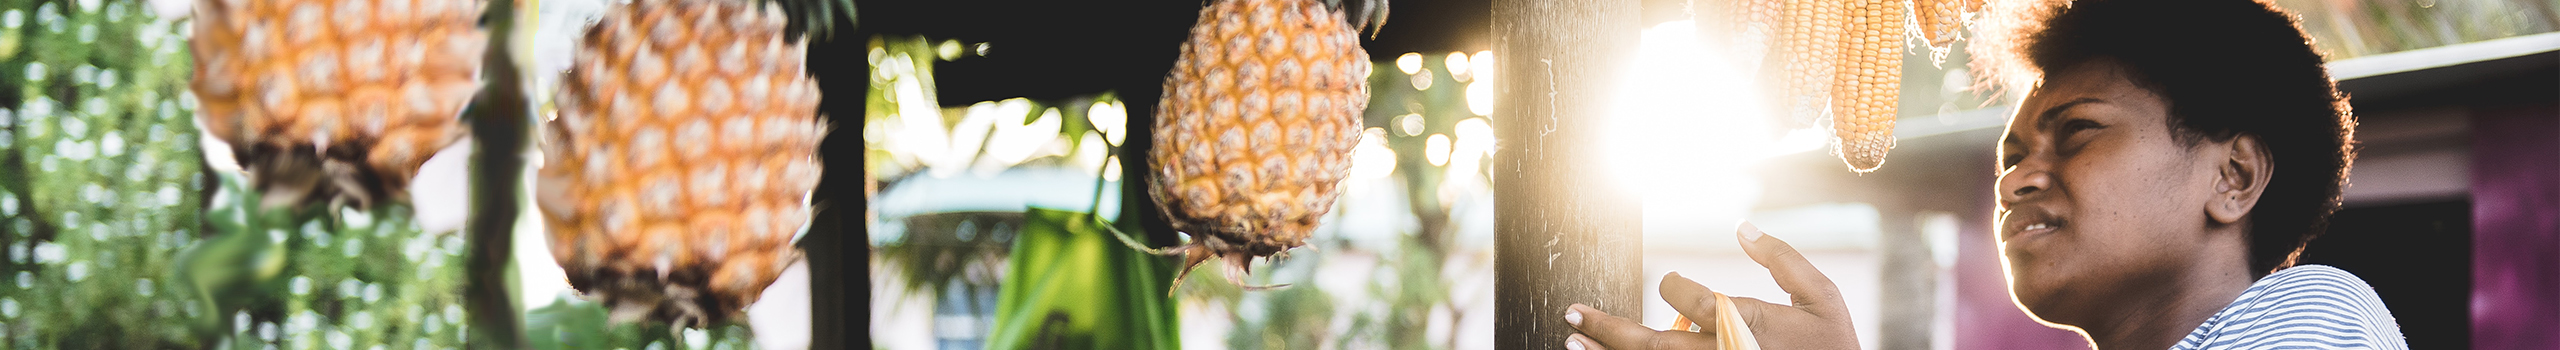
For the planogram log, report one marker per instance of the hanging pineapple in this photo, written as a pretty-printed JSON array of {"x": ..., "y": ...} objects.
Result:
[
  {"x": 335, "y": 100},
  {"x": 1842, "y": 60},
  {"x": 1257, "y": 124},
  {"x": 680, "y": 165}
]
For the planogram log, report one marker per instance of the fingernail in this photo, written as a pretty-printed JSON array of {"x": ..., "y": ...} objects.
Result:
[
  {"x": 1750, "y": 233},
  {"x": 1573, "y": 316},
  {"x": 1574, "y": 344}
]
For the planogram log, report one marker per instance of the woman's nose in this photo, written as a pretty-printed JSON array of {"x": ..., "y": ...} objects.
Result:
[{"x": 2025, "y": 179}]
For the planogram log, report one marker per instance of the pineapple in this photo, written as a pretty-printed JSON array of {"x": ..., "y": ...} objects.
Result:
[
  {"x": 678, "y": 169},
  {"x": 335, "y": 100},
  {"x": 1256, "y": 126}
]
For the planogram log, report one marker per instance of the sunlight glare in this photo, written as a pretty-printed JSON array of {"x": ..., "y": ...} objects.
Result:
[
  {"x": 1473, "y": 141},
  {"x": 1480, "y": 97},
  {"x": 1372, "y": 159},
  {"x": 1013, "y": 143},
  {"x": 1687, "y": 134},
  {"x": 1483, "y": 70}
]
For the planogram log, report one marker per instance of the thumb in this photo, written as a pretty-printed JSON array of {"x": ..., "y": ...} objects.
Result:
[{"x": 1805, "y": 285}]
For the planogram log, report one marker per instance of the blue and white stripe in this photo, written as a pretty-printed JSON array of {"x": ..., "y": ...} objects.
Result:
[{"x": 2304, "y": 307}]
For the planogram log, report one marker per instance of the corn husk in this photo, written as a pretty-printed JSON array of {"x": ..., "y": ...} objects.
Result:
[{"x": 1731, "y": 332}]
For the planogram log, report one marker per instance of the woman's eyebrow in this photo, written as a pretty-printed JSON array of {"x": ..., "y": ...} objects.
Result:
[
  {"x": 2045, "y": 116},
  {"x": 2056, "y": 111}
]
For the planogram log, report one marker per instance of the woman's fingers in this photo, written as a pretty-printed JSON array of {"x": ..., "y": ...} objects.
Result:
[
  {"x": 1579, "y": 342},
  {"x": 1809, "y": 289},
  {"x": 1781, "y": 327},
  {"x": 1695, "y": 300},
  {"x": 1613, "y": 332}
]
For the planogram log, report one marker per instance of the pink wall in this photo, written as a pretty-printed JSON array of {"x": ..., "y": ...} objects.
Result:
[
  {"x": 1985, "y": 317},
  {"x": 2515, "y": 251}
]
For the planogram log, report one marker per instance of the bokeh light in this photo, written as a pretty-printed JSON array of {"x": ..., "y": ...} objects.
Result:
[
  {"x": 1436, "y": 149},
  {"x": 1458, "y": 66},
  {"x": 1109, "y": 118},
  {"x": 1480, "y": 97},
  {"x": 1372, "y": 159},
  {"x": 1410, "y": 62}
]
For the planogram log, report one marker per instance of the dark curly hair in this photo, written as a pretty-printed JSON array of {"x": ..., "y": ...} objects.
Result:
[{"x": 2226, "y": 68}]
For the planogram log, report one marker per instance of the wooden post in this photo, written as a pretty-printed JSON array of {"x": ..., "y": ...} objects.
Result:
[
  {"x": 501, "y": 117},
  {"x": 1909, "y": 277},
  {"x": 839, "y": 242},
  {"x": 1565, "y": 233}
]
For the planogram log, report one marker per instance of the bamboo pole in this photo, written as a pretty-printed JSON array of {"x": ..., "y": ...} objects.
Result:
[{"x": 1564, "y": 233}]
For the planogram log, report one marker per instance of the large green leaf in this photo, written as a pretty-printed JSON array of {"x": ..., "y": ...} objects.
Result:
[{"x": 1069, "y": 285}]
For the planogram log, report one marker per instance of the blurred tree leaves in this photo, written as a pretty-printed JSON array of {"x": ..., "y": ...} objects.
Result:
[
  {"x": 579, "y": 324},
  {"x": 311, "y": 278},
  {"x": 99, "y": 179}
]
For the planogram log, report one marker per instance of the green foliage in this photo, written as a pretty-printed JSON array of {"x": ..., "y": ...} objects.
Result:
[
  {"x": 1069, "y": 285},
  {"x": 2352, "y": 28},
  {"x": 101, "y": 190},
  {"x": 99, "y": 180},
  {"x": 1392, "y": 308},
  {"x": 942, "y": 251},
  {"x": 1298, "y": 317},
  {"x": 302, "y": 278},
  {"x": 580, "y": 324}
]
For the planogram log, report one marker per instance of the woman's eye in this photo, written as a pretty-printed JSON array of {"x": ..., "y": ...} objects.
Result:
[{"x": 2077, "y": 125}]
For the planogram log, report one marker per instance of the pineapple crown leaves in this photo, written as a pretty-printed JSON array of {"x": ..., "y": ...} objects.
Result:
[
  {"x": 816, "y": 17},
  {"x": 1369, "y": 15}
]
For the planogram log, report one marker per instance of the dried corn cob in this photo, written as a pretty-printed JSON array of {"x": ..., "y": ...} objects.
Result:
[
  {"x": 1810, "y": 45},
  {"x": 1869, "y": 82},
  {"x": 1750, "y": 25},
  {"x": 1940, "y": 20}
]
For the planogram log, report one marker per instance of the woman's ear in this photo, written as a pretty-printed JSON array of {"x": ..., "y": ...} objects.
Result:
[{"x": 2243, "y": 177}]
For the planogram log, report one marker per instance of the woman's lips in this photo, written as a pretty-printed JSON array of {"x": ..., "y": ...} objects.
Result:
[
  {"x": 2027, "y": 222},
  {"x": 2035, "y": 229}
]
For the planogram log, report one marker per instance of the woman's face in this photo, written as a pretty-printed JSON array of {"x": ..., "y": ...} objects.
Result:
[{"x": 2096, "y": 198}]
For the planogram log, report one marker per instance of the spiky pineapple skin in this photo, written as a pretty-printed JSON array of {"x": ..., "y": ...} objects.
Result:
[
  {"x": 335, "y": 99},
  {"x": 679, "y": 167},
  {"x": 1257, "y": 123}
]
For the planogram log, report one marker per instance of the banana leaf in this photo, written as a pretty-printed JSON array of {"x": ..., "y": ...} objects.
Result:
[{"x": 1070, "y": 285}]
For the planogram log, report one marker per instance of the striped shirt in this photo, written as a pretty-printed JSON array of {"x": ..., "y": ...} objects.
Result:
[{"x": 2304, "y": 307}]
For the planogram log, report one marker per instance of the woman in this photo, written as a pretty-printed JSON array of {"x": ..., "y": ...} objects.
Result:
[{"x": 2154, "y": 190}]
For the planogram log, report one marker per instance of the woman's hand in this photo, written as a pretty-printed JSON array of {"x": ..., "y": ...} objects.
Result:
[{"x": 1816, "y": 320}]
